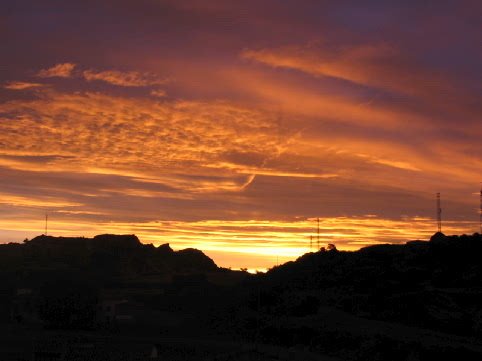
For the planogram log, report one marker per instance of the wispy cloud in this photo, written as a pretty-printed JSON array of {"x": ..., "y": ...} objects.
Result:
[
  {"x": 158, "y": 93},
  {"x": 21, "y": 85},
  {"x": 127, "y": 78},
  {"x": 40, "y": 202},
  {"x": 375, "y": 65},
  {"x": 63, "y": 70}
]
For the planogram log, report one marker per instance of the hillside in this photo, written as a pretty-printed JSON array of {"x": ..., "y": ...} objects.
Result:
[
  {"x": 435, "y": 284},
  {"x": 419, "y": 300}
]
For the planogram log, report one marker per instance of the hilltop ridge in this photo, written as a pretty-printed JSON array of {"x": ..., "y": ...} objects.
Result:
[{"x": 103, "y": 255}]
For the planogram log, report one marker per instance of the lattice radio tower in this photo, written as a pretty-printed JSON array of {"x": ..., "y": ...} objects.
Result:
[{"x": 439, "y": 214}]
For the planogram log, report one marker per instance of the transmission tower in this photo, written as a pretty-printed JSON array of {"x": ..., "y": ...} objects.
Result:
[{"x": 439, "y": 214}]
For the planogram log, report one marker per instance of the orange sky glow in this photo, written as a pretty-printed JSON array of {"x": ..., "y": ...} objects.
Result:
[{"x": 231, "y": 126}]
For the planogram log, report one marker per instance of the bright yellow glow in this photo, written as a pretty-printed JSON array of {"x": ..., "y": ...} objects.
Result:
[{"x": 256, "y": 244}]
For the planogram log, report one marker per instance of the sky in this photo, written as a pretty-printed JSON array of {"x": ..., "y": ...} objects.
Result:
[{"x": 232, "y": 126}]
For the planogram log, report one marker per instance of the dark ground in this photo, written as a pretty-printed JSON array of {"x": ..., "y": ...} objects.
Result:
[{"x": 112, "y": 298}]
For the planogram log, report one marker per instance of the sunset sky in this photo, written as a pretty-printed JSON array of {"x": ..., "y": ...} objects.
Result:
[{"x": 230, "y": 126}]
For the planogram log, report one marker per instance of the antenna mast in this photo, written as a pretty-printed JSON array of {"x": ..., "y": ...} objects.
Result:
[
  {"x": 439, "y": 214},
  {"x": 311, "y": 243},
  {"x": 318, "y": 234},
  {"x": 480, "y": 211},
  {"x": 46, "y": 222}
]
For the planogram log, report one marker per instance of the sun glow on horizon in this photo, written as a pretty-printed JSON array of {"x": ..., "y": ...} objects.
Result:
[{"x": 254, "y": 244}]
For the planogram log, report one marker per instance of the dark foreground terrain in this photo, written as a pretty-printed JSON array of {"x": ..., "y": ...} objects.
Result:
[{"x": 113, "y": 298}]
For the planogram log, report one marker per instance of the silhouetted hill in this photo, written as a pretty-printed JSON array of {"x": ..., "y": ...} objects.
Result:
[
  {"x": 444, "y": 261},
  {"x": 104, "y": 256},
  {"x": 364, "y": 304}
]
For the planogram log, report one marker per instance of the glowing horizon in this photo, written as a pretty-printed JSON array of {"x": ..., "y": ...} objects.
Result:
[{"x": 261, "y": 244}]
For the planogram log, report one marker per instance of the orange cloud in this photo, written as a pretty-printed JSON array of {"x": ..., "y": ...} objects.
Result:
[
  {"x": 127, "y": 79},
  {"x": 41, "y": 202},
  {"x": 63, "y": 70},
  {"x": 20, "y": 85},
  {"x": 159, "y": 142},
  {"x": 296, "y": 99},
  {"x": 158, "y": 93},
  {"x": 378, "y": 65},
  {"x": 379, "y": 133}
]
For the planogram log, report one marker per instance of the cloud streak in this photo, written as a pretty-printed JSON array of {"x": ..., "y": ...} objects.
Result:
[
  {"x": 21, "y": 85},
  {"x": 63, "y": 70},
  {"x": 374, "y": 65},
  {"x": 126, "y": 79}
]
